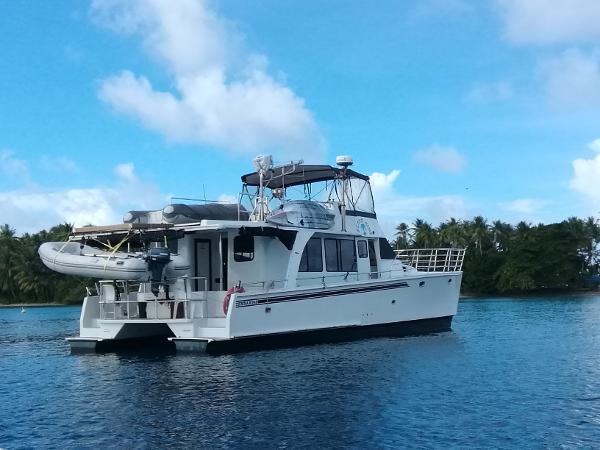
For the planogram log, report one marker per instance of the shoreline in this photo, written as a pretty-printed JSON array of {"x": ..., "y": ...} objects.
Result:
[
  {"x": 466, "y": 297},
  {"x": 35, "y": 305},
  {"x": 532, "y": 295}
]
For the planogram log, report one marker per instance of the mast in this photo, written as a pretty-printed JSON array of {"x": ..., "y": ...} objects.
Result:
[
  {"x": 344, "y": 161},
  {"x": 262, "y": 163}
]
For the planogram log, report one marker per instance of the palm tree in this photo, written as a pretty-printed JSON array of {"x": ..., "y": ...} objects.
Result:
[
  {"x": 523, "y": 230},
  {"x": 8, "y": 253},
  {"x": 61, "y": 232},
  {"x": 478, "y": 229},
  {"x": 502, "y": 233},
  {"x": 402, "y": 236},
  {"x": 425, "y": 235},
  {"x": 451, "y": 233},
  {"x": 592, "y": 239}
]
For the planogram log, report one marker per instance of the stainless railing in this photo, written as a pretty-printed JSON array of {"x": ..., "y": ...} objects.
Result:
[
  {"x": 433, "y": 259},
  {"x": 325, "y": 280},
  {"x": 126, "y": 300}
]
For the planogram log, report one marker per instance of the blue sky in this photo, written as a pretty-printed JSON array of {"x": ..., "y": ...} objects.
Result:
[{"x": 455, "y": 107}]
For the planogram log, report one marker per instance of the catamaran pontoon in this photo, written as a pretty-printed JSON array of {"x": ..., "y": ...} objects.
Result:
[{"x": 220, "y": 278}]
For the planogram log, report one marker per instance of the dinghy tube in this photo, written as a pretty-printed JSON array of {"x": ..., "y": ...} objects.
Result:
[{"x": 74, "y": 258}]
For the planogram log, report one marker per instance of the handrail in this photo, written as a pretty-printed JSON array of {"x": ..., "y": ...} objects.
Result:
[
  {"x": 122, "y": 293},
  {"x": 432, "y": 259}
]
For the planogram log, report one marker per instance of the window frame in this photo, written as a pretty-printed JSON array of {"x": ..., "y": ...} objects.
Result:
[
  {"x": 340, "y": 262},
  {"x": 365, "y": 253},
  {"x": 305, "y": 256},
  {"x": 241, "y": 256}
]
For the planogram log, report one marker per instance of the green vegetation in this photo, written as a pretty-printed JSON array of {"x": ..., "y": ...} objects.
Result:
[
  {"x": 500, "y": 258},
  {"x": 23, "y": 276},
  {"x": 525, "y": 258}
]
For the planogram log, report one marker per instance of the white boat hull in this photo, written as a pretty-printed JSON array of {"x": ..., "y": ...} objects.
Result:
[{"x": 409, "y": 305}]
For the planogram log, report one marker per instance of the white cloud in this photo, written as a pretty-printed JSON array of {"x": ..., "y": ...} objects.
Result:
[
  {"x": 586, "y": 179},
  {"x": 595, "y": 145},
  {"x": 380, "y": 182},
  {"x": 551, "y": 21},
  {"x": 222, "y": 96},
  {"x": 491, "y": 92},
  {"x": 525, "y": 206},
  {"x": 444, "y": 159},
  {"x": 393, "y": 208},
  {"x": 228, "y": 198},
  {"x": 572, "y": 79},
  {"x": 12, "y": 166},
  {"x": 34, "y": 208},
  {"x": 126, "y": 172}
]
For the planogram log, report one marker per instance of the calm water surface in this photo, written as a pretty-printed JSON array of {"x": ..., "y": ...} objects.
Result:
[{"x": 513, "y": 374}]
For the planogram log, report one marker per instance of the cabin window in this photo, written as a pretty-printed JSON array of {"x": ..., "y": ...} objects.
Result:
[
  {"x": 362, "y": 249},
  {"x": 312, "y": 256},
  {"x": 331, "y": 255},
  {"x": 340, "y": 255},
  {"x": 385, "y": 249},
  {"x": 243, "y": 248}
]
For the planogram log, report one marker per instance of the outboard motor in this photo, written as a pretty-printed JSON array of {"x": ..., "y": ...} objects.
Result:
[{"x": 157, "y": 259}]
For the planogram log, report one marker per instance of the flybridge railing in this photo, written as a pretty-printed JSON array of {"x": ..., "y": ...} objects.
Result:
[{"x": 433, "y": 259}]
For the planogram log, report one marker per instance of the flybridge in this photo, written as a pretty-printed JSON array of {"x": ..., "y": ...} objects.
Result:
[
  {"x": 347, "y": 190},
  {"x": 294, "y": 175}
]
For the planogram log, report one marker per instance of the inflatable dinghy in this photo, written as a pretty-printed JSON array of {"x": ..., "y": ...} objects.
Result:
[
  {"x": 302, "y": 214},
  {"x": 74, "y": 258}
]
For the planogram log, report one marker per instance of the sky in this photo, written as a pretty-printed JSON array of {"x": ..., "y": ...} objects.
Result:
[{"x": 454, "y": 108}]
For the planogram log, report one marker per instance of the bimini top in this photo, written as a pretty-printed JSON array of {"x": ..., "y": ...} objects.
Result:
[{"x": 285, "y": 176}]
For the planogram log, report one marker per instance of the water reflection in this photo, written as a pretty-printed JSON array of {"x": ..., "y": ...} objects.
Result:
[{"x": 511, "y": 373}]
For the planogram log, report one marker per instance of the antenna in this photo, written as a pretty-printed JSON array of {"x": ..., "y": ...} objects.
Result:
[
  {"x": 262, "y": 163},
  {"x": 344, "y": 161}
]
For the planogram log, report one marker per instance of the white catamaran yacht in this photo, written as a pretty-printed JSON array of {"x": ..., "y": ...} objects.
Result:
[{"x": 305, "y": 261}]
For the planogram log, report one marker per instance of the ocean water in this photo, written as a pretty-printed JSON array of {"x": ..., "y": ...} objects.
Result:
[{"x": 513, "y": 373}]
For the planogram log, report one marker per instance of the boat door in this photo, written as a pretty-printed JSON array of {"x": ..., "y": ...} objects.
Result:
[
  {"x": 203, "y": 258},
  {"x": 373, "y": 259}
]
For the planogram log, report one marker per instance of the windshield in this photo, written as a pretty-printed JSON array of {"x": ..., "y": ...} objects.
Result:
[{"x": 358, "y": 195}]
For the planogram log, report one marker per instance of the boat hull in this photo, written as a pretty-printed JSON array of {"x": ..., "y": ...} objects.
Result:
[
  {"x": 397, "y": 307},
  {"x": 264, "y": 342},
  {"x": 311, "y": 337}
]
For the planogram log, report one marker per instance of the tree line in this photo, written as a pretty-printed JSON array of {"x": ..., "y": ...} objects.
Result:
[
  {"x": 525, "y": 258},
  {"x": 23, "y": 276},
  {"x": 500, "y": 257}
]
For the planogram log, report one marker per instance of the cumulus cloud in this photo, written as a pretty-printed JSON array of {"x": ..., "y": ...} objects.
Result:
[
  {"x": 525, "y": 206},
  {"x": 444, "y": 159},
  {"x": 222, "y": 95},
  {"x": 34, "y": 208},
  {"x": 381, "y": 182},
  {"x": 551, "y": 21},
  {"x": 572, "y": 79},
  {"x": 586, "y": 176},
  {"x": 393, "y": 208},
  {"x": 595, "y": 145},
  {"x": 491, "y": 92}
]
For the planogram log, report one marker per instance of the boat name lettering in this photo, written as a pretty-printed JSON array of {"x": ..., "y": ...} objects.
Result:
[{"x": 249, "y": 302}]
